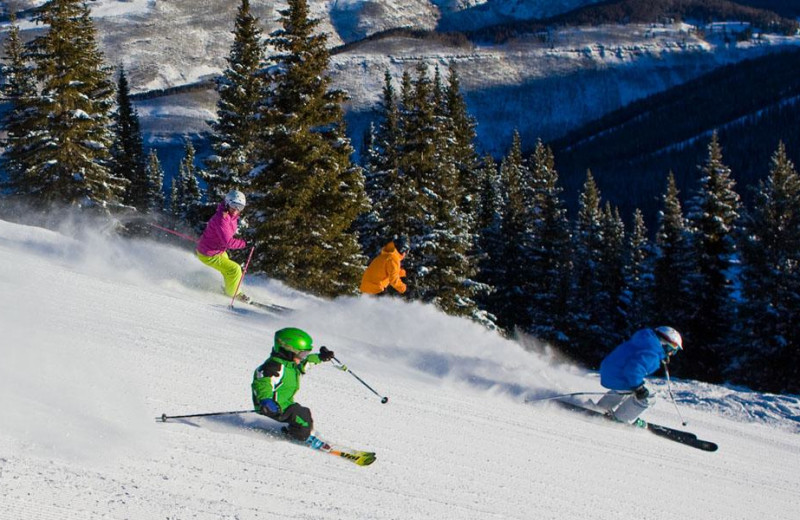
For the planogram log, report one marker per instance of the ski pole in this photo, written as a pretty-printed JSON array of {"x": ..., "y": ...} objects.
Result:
[
  {"x": 669, "y": 389},
  {"x": 574, "y": 394},
  {"x": 164, "y": 416},
  {"x": 244, "y": 272},
  {"x": 187, "y": 237},
  {"x": 341, "y": 366}
]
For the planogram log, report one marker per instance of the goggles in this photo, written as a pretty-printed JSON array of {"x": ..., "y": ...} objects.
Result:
[
  {"x": 238, "y": 207},
  {"x": 670, "y": 347},
  {"x": 299, "y": 354}
]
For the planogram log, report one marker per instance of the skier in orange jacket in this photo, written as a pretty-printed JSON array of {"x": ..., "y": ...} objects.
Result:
[{"x": 385, "y": 270}]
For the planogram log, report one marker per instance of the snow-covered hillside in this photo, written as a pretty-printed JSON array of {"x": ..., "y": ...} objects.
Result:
[
  {"x": 100, "y": 336},
  {"x": 543, "y": 85}
]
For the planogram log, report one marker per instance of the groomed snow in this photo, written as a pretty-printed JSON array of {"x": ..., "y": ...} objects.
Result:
[{"x": 101, "y": 335}]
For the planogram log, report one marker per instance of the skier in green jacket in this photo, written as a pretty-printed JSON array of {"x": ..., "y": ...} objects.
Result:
[{"x": 277, "y": 380}]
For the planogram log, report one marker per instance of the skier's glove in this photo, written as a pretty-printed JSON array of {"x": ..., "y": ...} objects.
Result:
[
  {"x": 325, "y": 354},
  {"x": 270, "y": 407},
  {"x": 641, "y": 393}
]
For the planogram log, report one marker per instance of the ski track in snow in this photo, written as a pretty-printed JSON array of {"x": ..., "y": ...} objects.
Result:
[{"x": 100, "y": 336}]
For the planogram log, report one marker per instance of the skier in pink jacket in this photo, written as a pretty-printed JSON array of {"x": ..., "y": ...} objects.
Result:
[{"x": 218, "y": 237}]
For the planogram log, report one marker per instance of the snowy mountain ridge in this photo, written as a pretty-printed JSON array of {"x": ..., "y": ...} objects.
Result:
[{"x": 543, "y": 87}]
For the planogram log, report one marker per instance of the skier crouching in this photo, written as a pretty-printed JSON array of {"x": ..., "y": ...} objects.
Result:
[
  {"x": 385, "y": 270},
  {"x": 277, "y": 380},
  {"x": 624, "y": 369}
]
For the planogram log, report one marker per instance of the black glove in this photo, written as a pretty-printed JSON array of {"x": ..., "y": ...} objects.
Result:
[
  {"x": 641, "y": 393},
  {"x": 325, "y": 354}
]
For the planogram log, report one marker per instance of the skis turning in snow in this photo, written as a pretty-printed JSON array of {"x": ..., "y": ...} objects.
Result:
[
  {"x": 358, "y": 457},
  {"x": 680, "y": 436},
  {"x": 315, "y": 442}
]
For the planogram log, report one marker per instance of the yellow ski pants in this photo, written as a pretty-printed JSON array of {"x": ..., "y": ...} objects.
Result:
[{"x": 231, "y": 271}]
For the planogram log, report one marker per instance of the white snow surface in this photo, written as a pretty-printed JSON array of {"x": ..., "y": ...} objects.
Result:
[{"x": 100, "y": 335}]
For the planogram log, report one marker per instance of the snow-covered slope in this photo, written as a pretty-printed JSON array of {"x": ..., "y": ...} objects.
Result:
[{"x": 99, "y": 336}]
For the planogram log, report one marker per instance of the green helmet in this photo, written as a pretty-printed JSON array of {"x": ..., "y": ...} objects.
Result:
[{"x": 293, "y": 340}]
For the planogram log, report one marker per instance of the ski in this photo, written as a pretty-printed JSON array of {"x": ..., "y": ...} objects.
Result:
[
  {"x": 270, "y": 307},
  {"x": 316, "y": 443},
  {"x": 679, "y": 436},
  {"x": 358, "y": 457}
]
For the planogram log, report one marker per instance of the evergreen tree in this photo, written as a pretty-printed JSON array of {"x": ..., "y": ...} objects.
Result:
[
  {"x": 128, "y": 150},
  {"x": 386, "y": 188},
  {"x": 440, "y": 268},
  {"x": 240, "y": 90},
  {"x": 611, "y": 274},
  {"x": 771, "y": 282},
  {"x": 489, "y": 241},
  {"x": 67, "y": 157},
  {"x": 713, "y": 214},
  {"x": 370, "y": 222},
  {"x": 462, "y": 126},
  {"x": 418, "y": 161},
  {"x": 400, "y": 208},
  {"x": 155, "y": 183},
  {"x": 307, "y": 193},
  {"x": 186, "y": 202},
  {"x": 510, "y": 300},
  {"x": 639, "y": 277},
  {"x": 674, "y": 266},
  {"x": 397, "y": 210},
  {"x": 548, "y": 265},
  {"x": 586, "y": 296},
  {"x": 20, "y": 91}
]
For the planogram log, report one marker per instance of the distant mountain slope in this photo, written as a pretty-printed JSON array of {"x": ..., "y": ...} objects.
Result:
[
  {"x": 753, "y": 104},
  {"x": 645, "y": 11},
  {"x": 544, "y": 84},
  {"x": 493, "y": 12}
]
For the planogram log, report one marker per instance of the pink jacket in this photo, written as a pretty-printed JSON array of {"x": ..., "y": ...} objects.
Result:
[{"x": 218, "y": 235}]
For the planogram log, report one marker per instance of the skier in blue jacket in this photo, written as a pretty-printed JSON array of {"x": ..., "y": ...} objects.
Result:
[{"x": 624, "y": 369}]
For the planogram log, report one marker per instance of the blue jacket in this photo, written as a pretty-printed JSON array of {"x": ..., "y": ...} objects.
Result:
[{"x": 628, "y": 364}]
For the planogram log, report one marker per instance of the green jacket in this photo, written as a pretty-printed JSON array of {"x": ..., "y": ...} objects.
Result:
[{"x": 278, "y": 379}]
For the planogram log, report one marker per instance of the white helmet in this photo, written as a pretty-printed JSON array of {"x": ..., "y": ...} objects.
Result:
[
  {"x": 235, "y": 199},
  {"x": 669, "y": 338}
]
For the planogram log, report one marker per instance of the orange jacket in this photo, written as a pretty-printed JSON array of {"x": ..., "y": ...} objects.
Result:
[{"x": 384, "y": 271}]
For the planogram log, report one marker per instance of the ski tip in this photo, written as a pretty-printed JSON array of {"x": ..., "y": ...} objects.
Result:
[{"x": 366, "y": 459}]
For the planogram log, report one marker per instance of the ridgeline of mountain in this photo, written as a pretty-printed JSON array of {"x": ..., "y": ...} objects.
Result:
[
  {"x": 753, "y": 104},
  {"x": 646, "y": 11}
]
